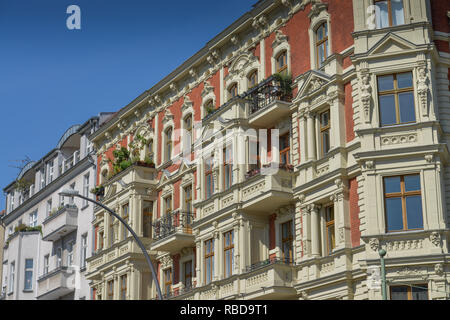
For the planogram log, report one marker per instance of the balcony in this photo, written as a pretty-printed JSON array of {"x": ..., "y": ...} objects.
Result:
[
  {"x": 268, "y": 103},
  {"x": 173, "y": 232},
  {"x": 266, "y": 191},
  {"x": 63, "y": 222},
  {"x": 56, "y": 284}
]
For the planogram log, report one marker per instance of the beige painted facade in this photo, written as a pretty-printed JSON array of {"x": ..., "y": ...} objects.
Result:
[{"x": 259, "y": 208}]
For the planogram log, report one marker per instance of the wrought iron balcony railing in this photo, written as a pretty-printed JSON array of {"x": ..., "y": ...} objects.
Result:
[
  {"x": 265, "y": 93},
  {"x": 171, "y": 223},
  {"x": 262, "y": 264}
]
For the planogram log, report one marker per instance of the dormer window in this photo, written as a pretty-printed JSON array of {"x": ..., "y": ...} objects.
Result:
[
  {"x": 281, "y": 61},
  {"x": 322, "y": 43},
  {"x": 389, "y": 13}
]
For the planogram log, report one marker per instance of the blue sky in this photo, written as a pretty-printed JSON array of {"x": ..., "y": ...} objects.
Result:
[{"x": 52, "y": 77}]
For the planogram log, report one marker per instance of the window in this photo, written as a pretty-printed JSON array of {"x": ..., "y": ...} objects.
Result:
[
  {"x": 168, "y": 281},
  {"x": 42, "y": 174},
  {"x": 209, "y": 107},
  {"x": 209, "y": 260},
  {"x": 70, "y": 249},
  {"x": 403, "y": 203},
  {"x": 287, "y": 240},
  {"x": 28, "y": 274},
  {"x": 209, "y": 177},
  {"x": 12, "y": 270},
  {"x": 46, "y": 261},
  {"x": 49, "y": 207},
  {"x": 188, "y": 274},
  {"x": 229, "y": 253},
  {"x": 72, "y": 199},
  {"x": 148, "y": 214},
  {"x": 325, "y": 125},
  {"x": 389, "y": 13},
  {"x": 151, "y": 154},
  {"x": 329, "y": 225},
  {"x": 12, "y": 201},
  {"x": 396, "y": 99},
  {"x": 33, "y": 219},
  {"x": 227, "y": 168},
  {"x": 85, "y": 189},
  {"x": 284, "y": 149},
  {"x": 88, "y": 147},
  {"x": 58, "y": 257},
  {"x": 188, "y": 199},
  {"x": 168, "y": 204},
  {"x": 322, "y": 43},
  {"x": 253, "y": 79},
  {"x": 416, "y": 292},
  {"x": 188, "y": 127},
  {"x": 233, "y": 91},
  {"x": 123, "y": 287},
  {"x": 83, "y": 250},
  {"x": 281, "y": 63},
  {"x": 125, "y": 216},
  {"x": 111, "y": 290},
  {"x": 168, "y": 144},
  {"x": 50, "y": 171}
]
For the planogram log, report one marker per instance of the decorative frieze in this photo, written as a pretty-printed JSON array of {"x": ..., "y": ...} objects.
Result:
[
  {"x": 404, "y": 245},
  {"x": 399, "y": 139}
]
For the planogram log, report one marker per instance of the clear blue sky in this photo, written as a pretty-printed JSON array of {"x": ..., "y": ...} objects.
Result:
[{"x": 52, "y": 77}]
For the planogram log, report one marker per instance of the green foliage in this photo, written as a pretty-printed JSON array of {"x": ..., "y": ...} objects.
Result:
[
  {"x": 148, "y": 160},
  {"x": 285, "y": 81},
  {"x": 24, "y": 228},
  {"x": 22, "y": 185}
]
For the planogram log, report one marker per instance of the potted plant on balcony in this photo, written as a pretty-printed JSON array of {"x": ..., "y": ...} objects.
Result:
[
  {"x": 22, "y": 185},
  {"x": 285, "y": 83},
  {"x": 98, "y": 191}
]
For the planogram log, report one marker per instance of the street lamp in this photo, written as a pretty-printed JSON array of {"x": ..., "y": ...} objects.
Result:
[
  {"x": 74, "y": 193},
  {"x": 382, "y": 253}
]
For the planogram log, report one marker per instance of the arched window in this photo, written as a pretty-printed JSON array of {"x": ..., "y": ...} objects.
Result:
[
  {"x": 233, "y": 90},
  {"x": 253, "y": 79},
  {"x": 281, "y": 61},
  {"x": 209, "y": 107},
  {"x": 322, "y": 43},
  {"x": 168, "y": 144},
  {"x": 188, "y": 128}
]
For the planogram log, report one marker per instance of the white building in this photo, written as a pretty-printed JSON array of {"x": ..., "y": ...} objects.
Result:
[{"x": 49, "y": 237}]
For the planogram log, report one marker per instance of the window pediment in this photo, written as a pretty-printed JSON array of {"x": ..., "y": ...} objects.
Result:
[
  {"x": 391, "y": 44},
  {"x": 315, "y": 84}
]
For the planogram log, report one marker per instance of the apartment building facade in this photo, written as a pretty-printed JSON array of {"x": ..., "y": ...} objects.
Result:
[
  {"x": 278, "y": 160},
  {"x": 48, "y": 237}
]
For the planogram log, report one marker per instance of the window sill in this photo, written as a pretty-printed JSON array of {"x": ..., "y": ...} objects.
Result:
[{"x": 28, "y": 291}]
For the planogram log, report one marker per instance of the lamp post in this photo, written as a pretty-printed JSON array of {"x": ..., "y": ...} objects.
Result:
[
  {"x": 74, "y": 193},
  {"x": 382, "y": 253}
]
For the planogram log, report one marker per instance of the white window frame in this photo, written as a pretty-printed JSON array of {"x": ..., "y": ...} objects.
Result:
[
  {"x": 86, "y": 181},
  {"x": 25, "y": 275},
  {"x": 12, "y": 271},
  {"x": 84, "y": 250},
  {"x": 70, "y": 253},
  {"x": 33, "y": 219},
  {"x": 46, "y": 264}
]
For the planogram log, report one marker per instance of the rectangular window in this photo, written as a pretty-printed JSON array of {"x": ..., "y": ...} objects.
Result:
[
  {"x": 229, "y": 253},
  {"x": 188, "y": 274},
  {"x": 209, "y": 178},
  {"x": 85, "y": 189},
  {"x": 227, "y": 168},
  {"x": 28, "y": 274},
  {"x": 49, "y": 207},
  {"x": 322, "y": 43},
  {"x": 329, "y": 225},
  {"x": 50, "y": 171},
  {"x": 284, "y": 149},
  {"x": 209, "y": 260},
  {"x": 72, "y": 199},
  {"x": 70, "y": 249},
  {"x": 33, "y": 219},
  {"x": 148, "y": 214},
  {"x": 46, "y": 262},
  {"x": 168, "y": 204},
  {"x": 168, "y": 144},
  {"x": 325, "y": 125},
  {"x": 403, "y": 203},
  {"x": 123, "y": 287},
  {"x": 42, "y": 174},
  {"x": 125, "y": 216},
  {"x": 168, "y": 281},
  {"x": 389, "y": 13},
  {"x": 287, "y": 241},
  {"x": 84, "y": 248},
  {"x": 58, "y": 257},
  {"x": 111, "y": 290},
  {"x": 12, "y": 270},
  {"x": 396, "y": 99},
  {"x": 188, "y": 199},
  {"x": 416, "y": 292}
]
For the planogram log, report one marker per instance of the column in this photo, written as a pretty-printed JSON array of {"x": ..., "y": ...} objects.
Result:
[
  {"x": 303, "y": 151},
  {"x": 311, "y": 136},
  {"x": 107, "y": 221},
  {"x": 136, "y": 221},
  {"x": 242, "y": 246},
  {"x": 237, "y": 249},
  {"x": 337, "y": 117},
  {"x": 306, "y": 229},
  {"x": 315, "y": 230},
  {"x": 199, "y": 268},
  {"x": 217, "y": 253}
]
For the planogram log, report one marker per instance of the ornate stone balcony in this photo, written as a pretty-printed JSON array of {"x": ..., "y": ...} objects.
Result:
[
  {"x": 173, "y": 232},
  {"x": 56, "y": 283},
  {"x": 63, "y": 222}
]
